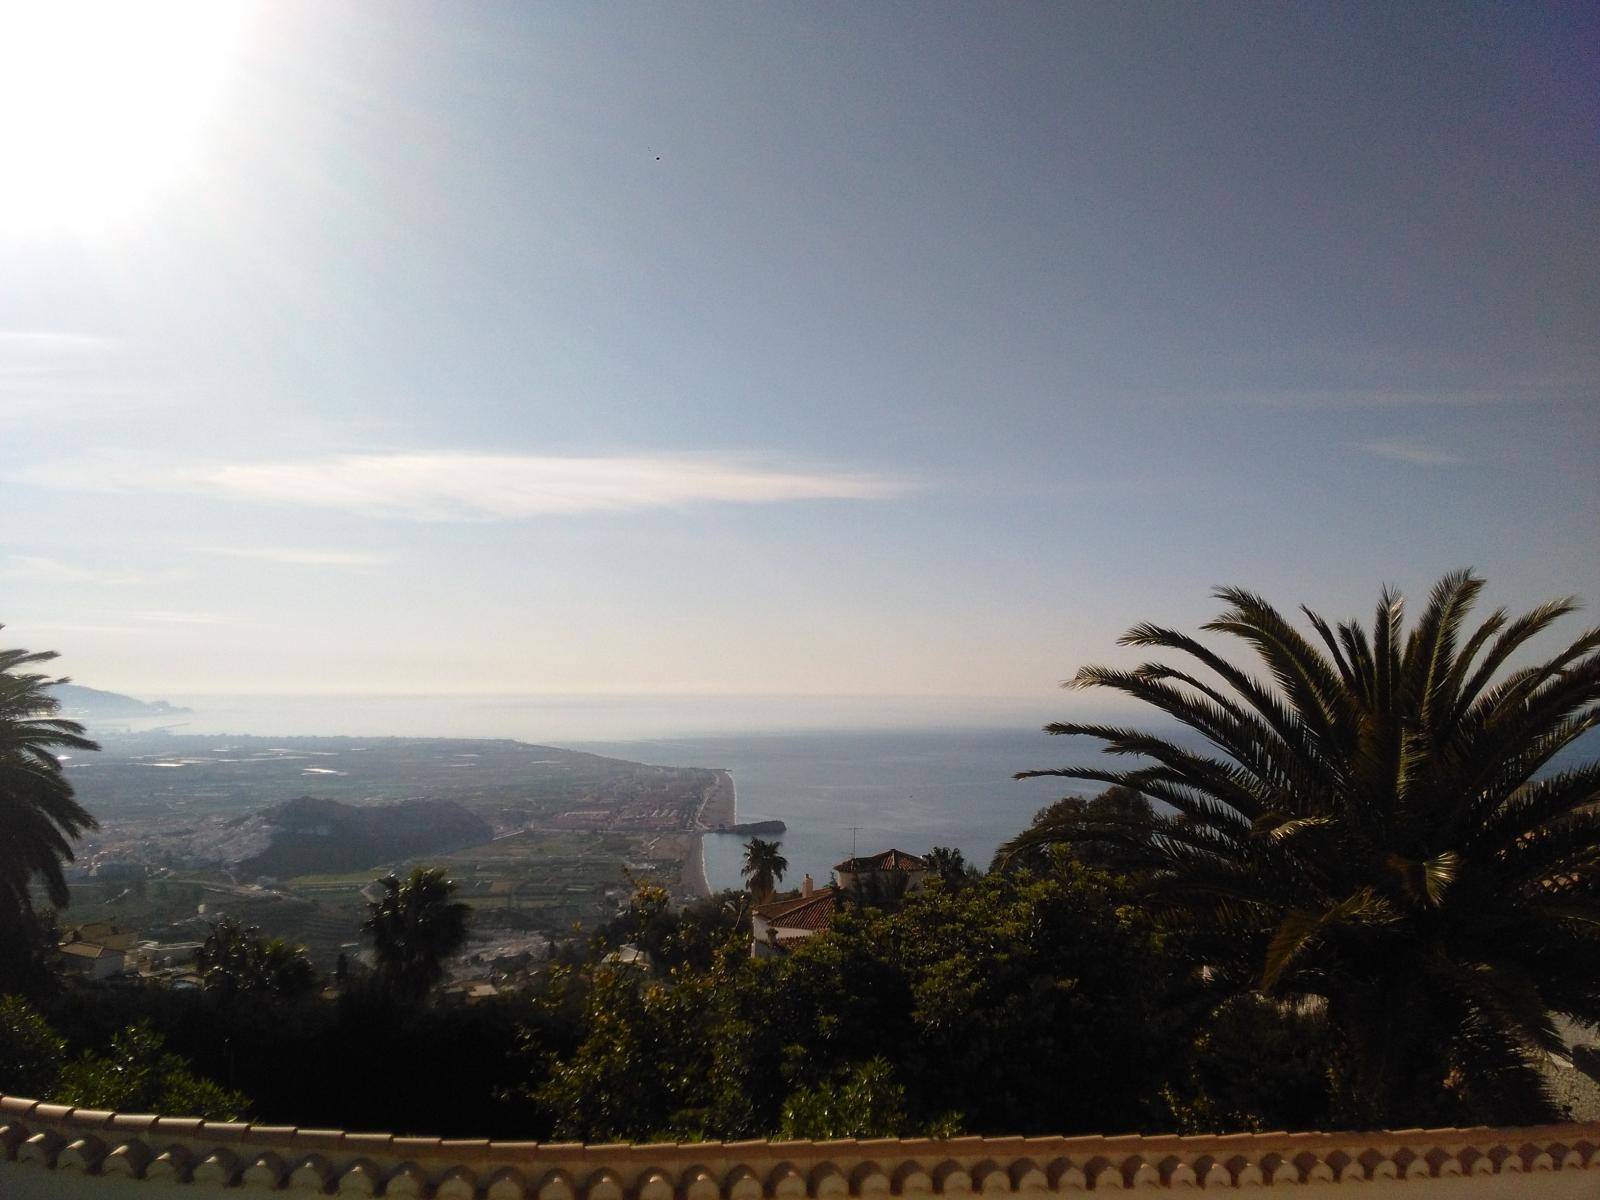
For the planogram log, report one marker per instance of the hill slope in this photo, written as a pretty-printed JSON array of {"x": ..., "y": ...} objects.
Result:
[
  {"x": 87, "y": 704},
  {"x": 311, "y": 836}
]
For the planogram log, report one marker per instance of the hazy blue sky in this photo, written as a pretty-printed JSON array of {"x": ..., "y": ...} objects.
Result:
[{"x": 780, "y": 348}]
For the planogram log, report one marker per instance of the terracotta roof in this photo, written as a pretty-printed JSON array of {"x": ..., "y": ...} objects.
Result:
[
  {"x": 87, "y": 950},
  {"x": 889, "y": 860},
  {"x": 802, "y": 912}
]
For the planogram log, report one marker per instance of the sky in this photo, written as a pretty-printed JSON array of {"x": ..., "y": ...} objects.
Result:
[{"x": 819, "y": 350}]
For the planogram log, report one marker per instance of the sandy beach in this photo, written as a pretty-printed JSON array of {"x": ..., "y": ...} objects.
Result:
[{"x": 717, "y": 807}]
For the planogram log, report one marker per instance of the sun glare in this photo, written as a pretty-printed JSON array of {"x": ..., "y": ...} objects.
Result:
[{"x": 104, "y": 104}]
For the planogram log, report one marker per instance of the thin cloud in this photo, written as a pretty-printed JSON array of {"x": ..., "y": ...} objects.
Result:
[
  {"x": 53, "y": 341},
  {"x": 124, "y": 622},
  {"x": 1413, "y": 452},
  {"x": 1370, "y": 398},
  {"x": 170, "y": 617},
  {"x": 35, "y": 569},
  {"x": 472, "y": 487},
  {"x": 289, "y": 556}
]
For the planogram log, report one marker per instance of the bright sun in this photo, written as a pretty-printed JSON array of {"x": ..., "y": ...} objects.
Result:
[{"x": 103, "y": 103}]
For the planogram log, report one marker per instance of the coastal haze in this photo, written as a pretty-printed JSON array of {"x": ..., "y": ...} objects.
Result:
[
  {"x": 539, "y": 836},
  {"x": 862, "y": 351},
  {"x": 531, "y": 441}
]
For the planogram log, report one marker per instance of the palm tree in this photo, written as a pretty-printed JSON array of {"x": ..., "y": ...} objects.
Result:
[
  {"x": 415, "y": 927},
  {"x": 763, "y": 868},
  {"x": 236, "y": 960},
  {"x": 38, "y": 815},
  {"x": 947, "y": 864},
  {"x": 1383, "y": 832}
]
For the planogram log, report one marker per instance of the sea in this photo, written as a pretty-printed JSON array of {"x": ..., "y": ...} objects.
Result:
[
  {"x": 845, "y": 791},
  {"x": 846, "y": 775}
]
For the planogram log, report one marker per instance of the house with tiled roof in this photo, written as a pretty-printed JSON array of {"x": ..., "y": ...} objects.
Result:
[
  {"x": 778, "y": 925},
  {"x": 889, "y": 874},
  {"x": 90, "y": 960},
  {"x": 103, "y": 933}
]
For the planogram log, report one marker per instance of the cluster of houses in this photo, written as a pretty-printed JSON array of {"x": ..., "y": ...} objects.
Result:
[
  {"x": 779, "y": 925},
  {"x": 106, "y": 951},
  {"x": 102, "y": 950}
]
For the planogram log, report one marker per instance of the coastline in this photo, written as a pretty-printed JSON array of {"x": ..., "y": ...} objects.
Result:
[{"x": 719, "y": 806}]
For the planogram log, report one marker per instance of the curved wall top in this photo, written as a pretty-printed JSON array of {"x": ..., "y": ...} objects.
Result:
[{"x": 52, "y": 1152}]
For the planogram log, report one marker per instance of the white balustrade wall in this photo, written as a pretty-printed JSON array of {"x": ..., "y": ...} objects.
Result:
[{"x": 50, "y": 1152}]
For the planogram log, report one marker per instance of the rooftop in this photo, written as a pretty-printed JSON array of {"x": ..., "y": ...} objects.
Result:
[
  {"x": 802, "y": 912},
  {"x": 888, "y": 860}
]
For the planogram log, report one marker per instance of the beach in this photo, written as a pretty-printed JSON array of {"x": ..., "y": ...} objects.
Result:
[{"x": 718, "y": 807}]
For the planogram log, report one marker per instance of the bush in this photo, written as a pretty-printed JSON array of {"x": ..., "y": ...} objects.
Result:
[
  {"x": 32, "y": 1054},
  {"x": 139, "y": 1074}
]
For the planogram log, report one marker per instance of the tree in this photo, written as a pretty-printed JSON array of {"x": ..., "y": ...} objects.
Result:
[
  {"x": 39, "y": 817},
  {"x": 948, "y": 865},
  {"x": 139, "y": 1074},
  {"x": 864, "y": 1101},
  {"x": 1384, "y": 830},
  {"x": 1118, "y": 804},
  {"x": 415, "y": 927},
  {"x": 952, "y": 989},
  {"x": 763, "y": 868},
  {"x": 31, "y": 1052},
  {"x": 238, "y": 961}
]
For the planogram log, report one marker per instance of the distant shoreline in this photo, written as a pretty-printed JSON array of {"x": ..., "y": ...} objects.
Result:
[{"x": 720, "y": 806}]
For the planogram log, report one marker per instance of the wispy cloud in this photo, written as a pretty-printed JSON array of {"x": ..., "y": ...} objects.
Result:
[
  {"x": 170, "y": 617},
  {"x": 36, "y": 569},
  {"x": 1414, "y": 452},
  {"x": 121, "y": 621},
  {"x": 290, "y": 556},
  {"x": 456, "y": 486},
  {"x": 61, "y": 340},
  {"x": 1371, "y": 398}
]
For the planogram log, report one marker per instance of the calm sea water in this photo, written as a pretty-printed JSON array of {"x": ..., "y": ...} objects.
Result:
[
  {"x": 889, "y": 780},
  {"x": 910, "y": 789}
]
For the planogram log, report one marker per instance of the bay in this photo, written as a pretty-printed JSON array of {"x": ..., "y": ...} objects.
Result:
[{"x": 907, "y": 789}]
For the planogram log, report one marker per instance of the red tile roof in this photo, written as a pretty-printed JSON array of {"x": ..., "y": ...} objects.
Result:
[
  {"x": 802, "y": 912},
  {"x": 87, "y": 950},
  {"x": 889, "y": 860}
]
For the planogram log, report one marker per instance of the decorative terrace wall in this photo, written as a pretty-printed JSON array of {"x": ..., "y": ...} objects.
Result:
[{"x": 49, "y": 1152}]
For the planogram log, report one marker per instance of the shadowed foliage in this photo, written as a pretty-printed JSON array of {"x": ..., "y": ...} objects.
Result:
[
  {"x": 39, "y": 818},
  {"x": 948, "y": 865},
  {"x": 1376, "y": 829},
  {"x": 415, "y": 927},
  {"x": 38, "y": 815},
  {"x": 238, "y": 961}
]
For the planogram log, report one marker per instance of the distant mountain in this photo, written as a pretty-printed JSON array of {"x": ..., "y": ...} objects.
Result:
[
  {"x": 309, "y": 836},
  {"x": 87, "y": 703}
]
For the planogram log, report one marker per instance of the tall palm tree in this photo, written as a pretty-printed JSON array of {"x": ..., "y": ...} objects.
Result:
[
  {"x": 415, "y": 927},
  {"x": 1382, "y": 831},
  {"x": 763, "y": 868},
  {"x": 39, "y": 817}
]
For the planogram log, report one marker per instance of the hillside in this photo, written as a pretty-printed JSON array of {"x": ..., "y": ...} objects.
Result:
[
  {"x": 90, "y": 704},
  {"x": 311, "y": 836}
]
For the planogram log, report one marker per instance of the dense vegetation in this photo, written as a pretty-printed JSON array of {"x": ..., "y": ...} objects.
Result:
[
  {"x": 1367, "y": 901},
  {"x": 1375, "y": 837},
  {"x": 39, "y": 817}
]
